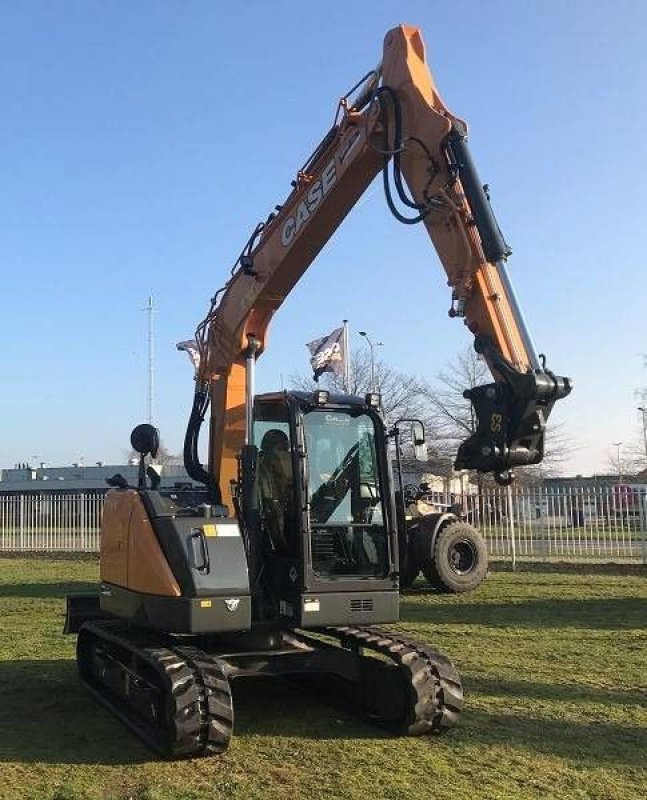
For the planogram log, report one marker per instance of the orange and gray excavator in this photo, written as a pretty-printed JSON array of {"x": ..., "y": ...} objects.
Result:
[{"x": 296, "y": 553}]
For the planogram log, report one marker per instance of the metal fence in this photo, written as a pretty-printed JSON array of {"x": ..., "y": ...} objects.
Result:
[
  {"x": 50, "y": 521},
  {"x": 601, "y": 523}
]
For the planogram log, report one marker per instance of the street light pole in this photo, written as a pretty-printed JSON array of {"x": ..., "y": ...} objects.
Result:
[
  {"x": 643, "y": 411},
  {"x": 617, "y": 446},
  {"x": 370, "y": 344}
]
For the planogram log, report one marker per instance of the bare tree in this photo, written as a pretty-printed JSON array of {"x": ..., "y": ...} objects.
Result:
[
  {"x": 164, "y": 456},
  {"x": 637, "y": 450},
  {"x": 448, "y": 417},
  {"x": 400, "y": 393},
  {"x": 628, "y": 460},
  {"x": 630, "y": 457},
  {"x": 401, "y": 397}
]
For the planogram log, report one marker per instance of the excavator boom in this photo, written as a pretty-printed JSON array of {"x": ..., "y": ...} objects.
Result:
[{"x": 397, "y": 123}]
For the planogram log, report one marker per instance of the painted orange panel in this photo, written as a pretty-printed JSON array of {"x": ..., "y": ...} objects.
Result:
[
  {"x": 148, "y": 569},
  {"x": 130, "y": 553},
  {"x": 114, "y": 536}
]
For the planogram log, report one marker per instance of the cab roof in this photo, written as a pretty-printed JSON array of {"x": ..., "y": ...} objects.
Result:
[{"x": 338, "y": 400}]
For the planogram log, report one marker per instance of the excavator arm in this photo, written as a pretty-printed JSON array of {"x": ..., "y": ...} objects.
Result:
[{"x": 392, "y": 121}]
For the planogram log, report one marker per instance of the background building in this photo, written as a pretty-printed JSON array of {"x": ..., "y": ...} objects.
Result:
[{"x": 79, "y": 477}]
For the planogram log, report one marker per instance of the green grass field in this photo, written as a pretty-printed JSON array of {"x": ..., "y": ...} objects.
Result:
[{"x": 554, "y": 667}]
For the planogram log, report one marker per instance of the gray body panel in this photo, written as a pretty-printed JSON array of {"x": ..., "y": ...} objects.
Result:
[
  {"x": 178, "y": 614},
  {"x": 318, "y": 610},
  {"x": 206, "y": 554}
]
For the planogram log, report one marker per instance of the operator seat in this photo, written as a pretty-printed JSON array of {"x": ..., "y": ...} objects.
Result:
[{"x": 276, "y": 486}]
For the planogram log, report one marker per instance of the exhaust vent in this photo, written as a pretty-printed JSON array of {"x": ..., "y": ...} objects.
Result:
[{"x": 363, "y": 605}]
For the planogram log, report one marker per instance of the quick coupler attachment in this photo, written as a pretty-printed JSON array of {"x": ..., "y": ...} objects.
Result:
[{"x": 510, "y": 423}]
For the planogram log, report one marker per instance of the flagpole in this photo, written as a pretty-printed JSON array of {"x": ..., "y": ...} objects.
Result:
[{"x": 346, "y": 358}]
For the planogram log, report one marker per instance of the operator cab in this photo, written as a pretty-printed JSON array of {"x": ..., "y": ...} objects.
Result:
[{"x": 324, "y": 504}]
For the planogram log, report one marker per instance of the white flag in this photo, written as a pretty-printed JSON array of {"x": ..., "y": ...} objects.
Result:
[
  {"x": 191, "y": 349},
  {"x": 327, "y": 353}
]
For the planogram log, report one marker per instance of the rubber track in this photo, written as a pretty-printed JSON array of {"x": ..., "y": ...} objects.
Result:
[
  {"x": 434, "y": 690},
  {"x": 198, "y": 704},
  {"x": 197, "y": 696}
]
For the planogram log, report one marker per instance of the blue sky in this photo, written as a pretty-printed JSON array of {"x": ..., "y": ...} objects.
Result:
[{"x": 141, "y": 142}]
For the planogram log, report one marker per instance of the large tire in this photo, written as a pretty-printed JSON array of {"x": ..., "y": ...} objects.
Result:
[
  {"x": 409, "y": 564},
  {"x": 409, "y": 571},
  {"x": 459, "y": 561}
]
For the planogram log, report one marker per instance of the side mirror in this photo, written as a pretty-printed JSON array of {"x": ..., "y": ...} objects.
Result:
[
  {"x": 145, "y": 439},
  {"x": 418, "y": 438},
  {"x": 417, "y": 434}
]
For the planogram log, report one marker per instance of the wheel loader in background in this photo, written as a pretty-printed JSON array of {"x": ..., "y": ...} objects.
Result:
[{"x": 299, "y": 548}]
